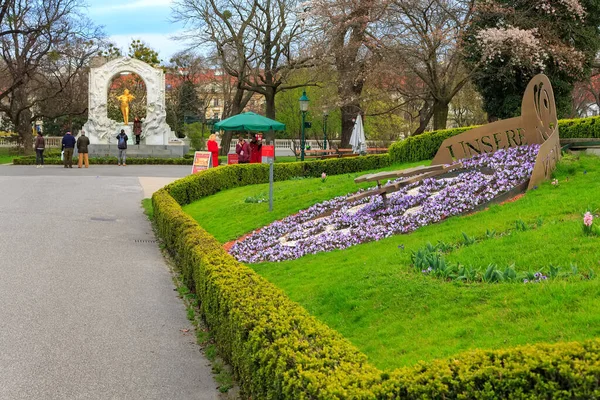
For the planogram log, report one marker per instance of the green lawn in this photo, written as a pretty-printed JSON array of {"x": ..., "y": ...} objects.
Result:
[
  {"x": 397, "y": 316},
  {"x": 4, "y": 157}
]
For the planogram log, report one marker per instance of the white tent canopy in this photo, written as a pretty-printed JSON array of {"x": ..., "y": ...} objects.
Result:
[{"x": 358, "y": 140}]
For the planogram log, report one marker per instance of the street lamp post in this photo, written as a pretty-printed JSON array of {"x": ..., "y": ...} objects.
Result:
[
  {"x": 325, "y": 115},
  {"x": 304, "y": 108}
]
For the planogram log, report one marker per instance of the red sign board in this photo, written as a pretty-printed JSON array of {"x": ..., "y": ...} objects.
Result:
[
  {"x": 268, "y": 151},
  {"x": 202, "y": 161},
  {"x": 232, "y": 158}
]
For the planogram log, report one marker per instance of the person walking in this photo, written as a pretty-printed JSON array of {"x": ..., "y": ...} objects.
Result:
[
  {"x": 213, "y": 147},
  {"x": 122, "y": 146},
  {"x": 68, "y": 146},
  {"x": 82, "y": 148},
  {"x": 40, "y": 145},
  {"x": 243, "y": 151},
  {"x": 137, "y": 129},
  {"x": 255, "y": 150}
]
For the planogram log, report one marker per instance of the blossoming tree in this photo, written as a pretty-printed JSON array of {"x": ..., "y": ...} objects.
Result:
[{"x": 518, "y": 39}]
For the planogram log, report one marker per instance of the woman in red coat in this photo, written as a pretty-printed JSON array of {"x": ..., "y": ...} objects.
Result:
[
  {"x": 213, "y": 147},
  {"x": 255, "y": 150}
]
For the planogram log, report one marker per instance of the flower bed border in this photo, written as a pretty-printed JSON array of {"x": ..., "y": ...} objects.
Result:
[{"x": 278, "y": 351}]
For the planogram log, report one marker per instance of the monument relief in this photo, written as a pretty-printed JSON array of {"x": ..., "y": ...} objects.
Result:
[{"x": 102, "y": 130}]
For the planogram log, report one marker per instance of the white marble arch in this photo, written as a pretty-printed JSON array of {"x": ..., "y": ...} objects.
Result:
[{"x": 102, "y": 130}]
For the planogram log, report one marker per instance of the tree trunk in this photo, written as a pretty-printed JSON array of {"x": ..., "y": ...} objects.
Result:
[
  {"x": 425, "y": 114},
  {"x": 349, "y": 114},
  {"x": 270, "y": 103},
  {"x": 440, "y": 115},
  {"x": 350, "y": 88},
  {"x": 21, "y": 118},
  {"x": 234, "y": 109},
  {"x": 25, "y": 133}
]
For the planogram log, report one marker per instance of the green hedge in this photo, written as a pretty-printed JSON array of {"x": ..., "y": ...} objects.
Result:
[
  {"x": 541, "y": 371},
  {"x": 424, "y": 146},
  {"x": 194, "y": 187},
  {"x": 278, "y": 351},
  {"x": 579, "y": 128},
  {"x": 30, "y": 160}
]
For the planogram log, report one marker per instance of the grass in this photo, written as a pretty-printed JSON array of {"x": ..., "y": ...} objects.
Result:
[
  {"x": 148, "y": 209},
  {"x": 232, "y": 213},
  {"x": 4, "y": 157},
  {"x": 397, "y": 316}
]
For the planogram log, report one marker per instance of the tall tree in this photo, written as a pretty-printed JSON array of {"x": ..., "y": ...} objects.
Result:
[
  {"x": 425, "y": 39},
  {"x": 259, "y": 41},
  {"x": 518, "y": 39},
  {"x": 48, "y": 47},
  {"x": 141, "y": 51},
  {"x": 347, "y": 28}
]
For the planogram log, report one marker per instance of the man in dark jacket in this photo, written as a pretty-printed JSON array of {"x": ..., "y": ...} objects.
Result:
[
  {"x": 82, "y": 148},
  {"x": 68, "y": 146},
  {"x": 122, "y": 146},
  {"x": 243, "y": 151}
]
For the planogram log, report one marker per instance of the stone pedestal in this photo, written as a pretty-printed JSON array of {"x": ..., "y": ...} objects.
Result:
[
  {"x": 139, "y": 151},
  {"x": 128, "y": 131}
]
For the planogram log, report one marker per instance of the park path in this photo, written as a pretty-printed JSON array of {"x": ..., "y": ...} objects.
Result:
[{"x": 88, "y": 308}]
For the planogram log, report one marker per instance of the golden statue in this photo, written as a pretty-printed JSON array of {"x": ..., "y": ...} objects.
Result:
[{"x": 125, "y": 99}]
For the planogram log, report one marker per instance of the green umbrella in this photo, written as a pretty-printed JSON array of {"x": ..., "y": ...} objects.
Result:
[{"x": 249, "y": 122}]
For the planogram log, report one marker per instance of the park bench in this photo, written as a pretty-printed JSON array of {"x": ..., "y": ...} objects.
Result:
[
  {"x": 377, "y": 150},
  {"x": 320, "y": 154},
  {"x": 579, "y": 144}
]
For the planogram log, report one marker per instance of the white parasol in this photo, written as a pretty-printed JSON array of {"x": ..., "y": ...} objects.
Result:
[{"x": 358, "y": 140}]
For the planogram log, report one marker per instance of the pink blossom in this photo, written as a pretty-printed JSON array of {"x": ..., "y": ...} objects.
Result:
[
  {"x": 588, "y": 219},
  {"x": 522, "y": 45}
]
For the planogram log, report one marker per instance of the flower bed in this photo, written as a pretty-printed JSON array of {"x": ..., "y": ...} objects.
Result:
[{"x": 337, "y": 224}]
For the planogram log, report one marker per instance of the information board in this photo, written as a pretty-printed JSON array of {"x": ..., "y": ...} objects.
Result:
[
  {"x": 202, "y": 161},
  {"x": 268, "y": 154},
  {"x": 232, "y": 158}
]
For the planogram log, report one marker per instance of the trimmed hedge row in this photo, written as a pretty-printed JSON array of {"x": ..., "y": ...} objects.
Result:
[
  {"x": 30, "y": 160},
  {"x": 194, "y": 187},
  {"x": 278, "y": 351},
  {"x": 424, "y": 146},
  {"x": 579, "y": 128},
  {"x": 541, "y": 371}
]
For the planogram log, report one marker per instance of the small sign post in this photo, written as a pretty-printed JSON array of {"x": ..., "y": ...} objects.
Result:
[
  {"x": 268, "y": 156},
  {"x": 202, "y": 161},
  {"x": 232, "y": 158}
]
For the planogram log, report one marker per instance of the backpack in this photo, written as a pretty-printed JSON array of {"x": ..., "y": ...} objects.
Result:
[{"x": 122, "y": 144}]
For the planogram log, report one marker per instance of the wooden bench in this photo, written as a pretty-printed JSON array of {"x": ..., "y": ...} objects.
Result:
[
  {"x": 318, "y": 154},
  {"x": 377, "y": 150}
]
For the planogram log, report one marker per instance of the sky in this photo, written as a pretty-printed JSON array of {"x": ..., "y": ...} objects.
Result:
[{"x": 148, "y": 20}]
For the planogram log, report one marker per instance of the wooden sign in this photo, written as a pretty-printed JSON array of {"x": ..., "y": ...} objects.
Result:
[
  {"x": 538, "y": 124},
  {"x": 202, "y": 161}
]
